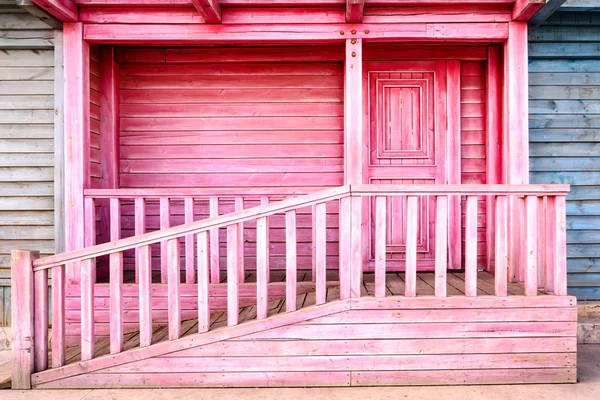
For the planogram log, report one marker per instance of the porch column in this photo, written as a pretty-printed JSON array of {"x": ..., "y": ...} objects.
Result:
[
  {"x": 516, "y": 137},
  {"x": 77, "y": 141},
  {"x": 353, "y": 158}
]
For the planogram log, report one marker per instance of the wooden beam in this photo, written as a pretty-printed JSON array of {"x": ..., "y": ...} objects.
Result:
[
  {"x": 77, "y": 149},
  {"x": 354, "y": 10},
  {"x": 210, "y": 10},
  {"x": 581, "y": 5},
  {"x": 147, "y": 34},
  {"x": 545, "y": 12},
  {"x": 41, "y": 14},
  {"x": 64, "y": 10},
  {"x": 523, "y": 10}
]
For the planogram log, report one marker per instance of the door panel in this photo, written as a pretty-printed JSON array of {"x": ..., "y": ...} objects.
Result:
[{"x": 406, "y": 144}]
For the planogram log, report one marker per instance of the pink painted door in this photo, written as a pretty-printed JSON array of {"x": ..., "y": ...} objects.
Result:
[{"x": 406, "y": 114}]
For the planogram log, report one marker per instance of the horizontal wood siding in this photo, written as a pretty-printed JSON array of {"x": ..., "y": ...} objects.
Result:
[
  {"x": 232, "y": 118},
  {"x": 473, "y": 144},
  {"x": 564, "y": 85},
  {"x": 26, "y": 141},
  {"x": 371, "y": 343},
  {"x": 95, "y": 170}
]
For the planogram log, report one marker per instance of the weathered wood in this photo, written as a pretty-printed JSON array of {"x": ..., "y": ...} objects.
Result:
[
  {"x": 471, "y": 247},
  {"x": 210, "y": 10},
  {"x": 290, "y": 261},
  {"x": 239, "y": 206},
  {"x": 116, "y": 281},
  {"x": 320, "y": 253},
  {"x": 441, "y": 245},
  {"x": 560, "y": 265},
  {"x": 264, "y": 200},
  {"x": 189, "y": 242},
  {"x": 174, "y": 297},
  {"x": 354, "y": 10},
  {"x": 380, "y": 245},
  {"x": 87, "y": 278},
  {"x": 410, "y": 279},
  {"x": 64, "y": 11},
  {"x": 40, "y": 324},
  {"x": 345, "y": 226},
  {"x": 214, "y": 243},
  {"x": 232, "y": 275},
  {"x": 144, "y": 275},
  {"x": 523, "y": 10},
  {"x": 165, "y": 222},
  {"x": 453, "y": 139},
  {"x": 203, "y": 260},
  {"x": 58, "y": 316},
  {"x": 22, "y": 318},
  {"x": 501, "y": 247},
  {"x": 262, "y": 271},
  {"x": 531, "y": 238}
]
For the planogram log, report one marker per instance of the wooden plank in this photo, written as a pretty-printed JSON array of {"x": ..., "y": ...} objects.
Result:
[
  {"x": 214, "y": 243},
  {"x": 264, "y": 200},
  {"x": 87, "y": 279},
  {"x": 64, "y": 11},
  {"x": 144, "y": 275},
  {"x": 471, "y": 247},
  {"x": 550, "y": 265},
  {"x": 560, "y": 265},
  {"x": 58, "y": 316},
  {"x": 410, "y": 278},
  {"x": 531, "y": 242},
  {"x": 441, "y": 245},
  {"x": 353, "y": 112},
  {"x": 320, "y": 253},
  {"x": 59, "y": 144},
  {"x": 190, "y": 276},
  {"x": 109, "y": 119},
  {"x": 545, "y": 12},
  {"x": 380, "y": 245},
  {"x": 165, "y": 222},
  {"x": 344, "y": 239},
  {"x": 203, "y": 260},
  {"x": 354, "y": 10},
  {"x": 77, "y": 110},
  {"x": 22, "y": 310},
  {"x": 239, "y": 206},
  {"x": 210, "y": 10},
  {"x": 262, "y": 270},
  {"x": 454, "y": 161},
  {"x": 232, "y": 275},
  {"x": 523, "y": 10},
  {"x": 291, "y": 261},
  {"x": 116, "y": 281},
  {"x": 174, "y": 297},
  {"x": 501, "y": 247},
  {"x": 40, "y": 325}
]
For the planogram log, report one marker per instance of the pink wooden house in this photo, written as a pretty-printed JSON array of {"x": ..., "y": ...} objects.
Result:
[{"x": 297, "y": 193}]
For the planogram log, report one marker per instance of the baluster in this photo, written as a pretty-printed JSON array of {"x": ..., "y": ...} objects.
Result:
[
  {"x": 522, "y": 250},
  {"x": 40, "y": 333},
  {"x": 550, "y": 265},
  {"x": 541, "y": 241},
  {"x": 203, "y": 278},
  {"x": 380, "y": 244},
  {"x": 321, "y": 253},
  {"x": 239, "y": 206},
  {"x": 264, "y": 201},
  {"x": 144, "y": 274},
  {"x": 87, "y": 280},
  {"x": 215, "y": 274},
  {"x": 356, "y": 247},
  {"x": 189, "y": 242},
  {"x": 313, "y": 242},
  {"x": 232, "y": 275},
  {"x": 116, "y": 281},
  {"x": 531, "y": 237},
  {"x": 345, "y": 242},
  {"x": 173, "y": 284},
  {"x": 441, "y": 245},
  {"x": 410, "y": 280},
  {"x": 290, "y": 261},
  {"x": 262, "y": 296},
  {"x": 58, "y": 316},
  {"x": 165, "y": 222},
  {"x": 501, "y": 247},
  {"x": 471, "y": 247},
  {"x": 560, "y": 252}
]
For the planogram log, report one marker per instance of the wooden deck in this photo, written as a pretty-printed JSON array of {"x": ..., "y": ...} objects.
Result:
[{"x": 394, "y": 287}]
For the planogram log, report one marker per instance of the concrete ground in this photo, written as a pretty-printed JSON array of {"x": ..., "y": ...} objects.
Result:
[{"x": 587, "y": 388}]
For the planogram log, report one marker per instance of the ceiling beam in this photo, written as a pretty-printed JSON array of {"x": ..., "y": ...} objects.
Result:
[
  {"x": 210, "y": 10},
  {"x": 354, "y": 10},
  {"x": 63, "y": 10},
  {"x": 545, "y": 12},
  {"x": 523, "y": 10},
  {"x": 42, "y": 15}
]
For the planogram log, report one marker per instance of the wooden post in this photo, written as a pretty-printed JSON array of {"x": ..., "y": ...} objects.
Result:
[
  {"x": 345, "y": 227},
  {"x": 143, "y": 262},
  {"x": 59, "y": 144},
  {"x": 291, "y": 260},
  {"x": 239, "y": 206},
  {"x": 353, "y": 156},
  {"x": 173, "y": 285},
  {"x": 165, "y": 222},
  {"x": 454, "y": 164},
  {"x": 262, "y": 295},
  {"x": 560, "y": 250},
  {"x": 189, "y": 242},
  {"x": 22, "y": 317},
  {"x": 116, "y": 281},
  {"x": 41, "y": 320},
  {"x": 501, "y": 247},
  {"x": 321, "y": 253},
  {"x": 441, "y": 245},
  {"x": 58, "y": 317},
  {"x": 531, "y": 238},
  {"x": 380, "y": 244},
  {"x": 77, "y": 140},
  {"x": 215, "y": 273},
  {"x": 410, "y": 275},
  {"x": 203, "y": 279},
  {"x": 232, "y": 276},
  {"x": 471, "y": 247}
]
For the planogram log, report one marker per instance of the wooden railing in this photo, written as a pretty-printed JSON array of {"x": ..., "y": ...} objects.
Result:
[{"x": 540, "y": 207}]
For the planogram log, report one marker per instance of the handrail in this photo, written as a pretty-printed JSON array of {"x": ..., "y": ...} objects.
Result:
[
  {"x": 191, "y": 228},
  {"x": 191, "y": 192},
  {"x": 289, "y": 204}
]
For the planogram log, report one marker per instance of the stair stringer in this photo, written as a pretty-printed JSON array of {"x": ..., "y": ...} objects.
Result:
[{"x": 78, "y": 375}]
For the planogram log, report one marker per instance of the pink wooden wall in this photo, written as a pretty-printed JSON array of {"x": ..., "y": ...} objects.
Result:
[{"x": 95, "y": 170}]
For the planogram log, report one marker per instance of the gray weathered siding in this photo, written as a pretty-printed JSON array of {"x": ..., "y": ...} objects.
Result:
[
  {"x": 26, "y": 140},
  {"x": 564, "y": 107}
]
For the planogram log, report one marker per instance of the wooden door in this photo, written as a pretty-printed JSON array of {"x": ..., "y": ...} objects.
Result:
[{"x": 406, "y": 137}]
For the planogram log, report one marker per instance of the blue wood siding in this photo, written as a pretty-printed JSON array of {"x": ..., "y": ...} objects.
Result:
[{"x": 564, "y": 135}]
